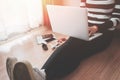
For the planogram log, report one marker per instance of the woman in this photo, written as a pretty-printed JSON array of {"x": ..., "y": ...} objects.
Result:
[{"x": 103, "y": 16}]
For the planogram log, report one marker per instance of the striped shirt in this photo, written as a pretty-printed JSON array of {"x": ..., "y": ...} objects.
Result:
[{"x": 103, "y": 13}]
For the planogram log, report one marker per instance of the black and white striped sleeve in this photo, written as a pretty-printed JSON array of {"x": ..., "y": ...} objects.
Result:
[
  {"x": 116, "y": 14},
  {"x": 115, "y": 18}
]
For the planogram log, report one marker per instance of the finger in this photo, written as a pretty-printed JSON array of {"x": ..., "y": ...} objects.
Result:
[{"x": 90, "y": 33}]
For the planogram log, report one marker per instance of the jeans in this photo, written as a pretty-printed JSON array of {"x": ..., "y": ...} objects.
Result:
[{"x": 66, "y": 58}]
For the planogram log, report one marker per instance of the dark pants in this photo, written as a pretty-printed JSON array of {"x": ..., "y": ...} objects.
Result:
[{"x": 68, "y": 56}]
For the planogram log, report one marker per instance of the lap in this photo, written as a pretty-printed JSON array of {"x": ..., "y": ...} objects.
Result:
[{"x": 69, "y": 55}]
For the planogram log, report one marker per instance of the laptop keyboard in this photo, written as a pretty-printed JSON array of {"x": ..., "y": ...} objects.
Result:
[{"x": 93, "y": 36}]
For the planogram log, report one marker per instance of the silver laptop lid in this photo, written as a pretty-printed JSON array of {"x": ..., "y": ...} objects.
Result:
[{"x": 69, "y": 20}]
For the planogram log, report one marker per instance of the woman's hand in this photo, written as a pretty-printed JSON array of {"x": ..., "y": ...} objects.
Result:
[{"x": 93, "y": 29}]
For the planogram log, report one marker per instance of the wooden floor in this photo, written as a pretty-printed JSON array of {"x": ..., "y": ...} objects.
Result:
[
  {"x": 102, "y": 66},
  {"x": 24, "y": 48}
]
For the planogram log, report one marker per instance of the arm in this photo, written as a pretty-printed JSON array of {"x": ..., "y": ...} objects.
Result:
[
  {"x": 111, "y": 23},
  {"x": 114, "y": 20}
]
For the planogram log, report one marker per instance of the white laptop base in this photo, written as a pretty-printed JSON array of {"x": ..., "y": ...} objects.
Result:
[{"x": 95, "y": 35}]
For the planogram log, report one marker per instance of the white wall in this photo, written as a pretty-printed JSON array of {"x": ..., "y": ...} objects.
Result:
[{"x": 71, "y": 2}]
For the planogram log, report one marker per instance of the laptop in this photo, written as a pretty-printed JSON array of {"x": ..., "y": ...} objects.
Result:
[{"x": 70, "y": 20}]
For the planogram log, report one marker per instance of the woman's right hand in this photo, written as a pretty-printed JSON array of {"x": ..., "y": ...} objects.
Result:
[{"x": 93, "y": 29}]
